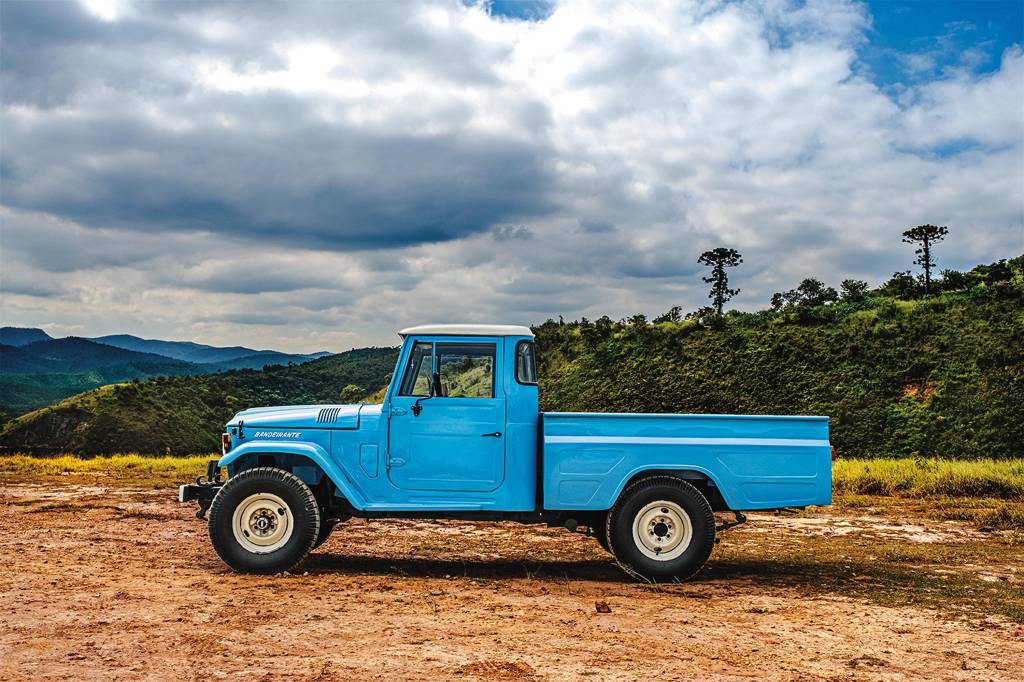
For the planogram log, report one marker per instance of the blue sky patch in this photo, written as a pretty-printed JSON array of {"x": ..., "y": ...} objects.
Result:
[
  {"x": 526, "y": 10},
  {"x": 911, "y": 42}
]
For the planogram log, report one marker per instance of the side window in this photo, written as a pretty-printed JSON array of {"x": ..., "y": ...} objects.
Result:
[
  {"x": 416, "y": 380},
  {"x": 526, "y": 363},
  {"x": 466, "y": 369}
]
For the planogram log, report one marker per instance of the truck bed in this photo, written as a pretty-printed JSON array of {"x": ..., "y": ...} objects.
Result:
[{"x": 756, "y": 462}]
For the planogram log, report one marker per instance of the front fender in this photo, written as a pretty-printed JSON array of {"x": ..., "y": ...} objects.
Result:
[{"x": 310, "y": 451}]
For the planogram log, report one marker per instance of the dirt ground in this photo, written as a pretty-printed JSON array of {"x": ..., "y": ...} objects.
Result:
[{"x": 121, "y": 583}]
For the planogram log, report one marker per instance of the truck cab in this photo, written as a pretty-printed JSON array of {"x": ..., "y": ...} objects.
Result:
[{"x": 459, "y": 435}]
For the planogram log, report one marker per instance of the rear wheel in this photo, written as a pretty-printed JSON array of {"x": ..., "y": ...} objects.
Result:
[
  {"x": 326, "y": 528},
  {"x": 264, "y": 520},
  {"x": 599, "y": 530},
  {"x": 662, "y": 528}
]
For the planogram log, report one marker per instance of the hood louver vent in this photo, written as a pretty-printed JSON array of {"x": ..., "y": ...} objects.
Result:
[{"x": 328, "y": 414}]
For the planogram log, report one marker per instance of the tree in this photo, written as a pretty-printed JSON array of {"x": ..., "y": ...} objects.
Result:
[
  {"x": 702, "y": 315},
  {"x": 1000, "y": 271},
  {"x": 926, "y": 236},
  {"x": 674, "y": 314},
  {"x": 852, "y": 290},
  {"x": 718, "y": 260},
  {"x": 809, "y": 293},
  {"x": 954, "y": 280},
  {"x": 901, "y": 285},
  {"x": 352, "y": 393}
]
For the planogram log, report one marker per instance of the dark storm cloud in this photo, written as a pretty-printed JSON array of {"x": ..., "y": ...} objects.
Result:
[
  {"x": 310, "y": 184},
  {"x": 146, "y": 149},
  {"x": 239, "y": 277}
]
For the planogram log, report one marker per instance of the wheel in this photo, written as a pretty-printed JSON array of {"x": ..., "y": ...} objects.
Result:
[
  {"x": 662, "y": 528},
  {"x": 264, "y": 520},
  {"x": 326, "y": 528},
  {"x": 600, "y": 533}
]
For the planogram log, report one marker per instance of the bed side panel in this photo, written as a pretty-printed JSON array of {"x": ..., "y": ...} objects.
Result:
[{"x": 757, "y": 462}]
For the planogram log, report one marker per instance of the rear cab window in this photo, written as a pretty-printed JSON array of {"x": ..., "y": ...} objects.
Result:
[{"x": 526, "y": 363}]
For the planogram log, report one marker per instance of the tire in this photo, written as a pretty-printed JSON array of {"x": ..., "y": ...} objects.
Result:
[
  {"x": 600, "y": 533},
  {"x": 264, "y": 520},
  {"x": 661, "y": 528},
  {"x": 326, "y": 528}
]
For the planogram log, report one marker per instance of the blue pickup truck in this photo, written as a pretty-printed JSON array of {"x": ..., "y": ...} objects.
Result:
[{"x": 459, "y": 436}]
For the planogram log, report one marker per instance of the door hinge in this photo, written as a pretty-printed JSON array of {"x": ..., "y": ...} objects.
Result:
[{"x": 395, "y": 462}]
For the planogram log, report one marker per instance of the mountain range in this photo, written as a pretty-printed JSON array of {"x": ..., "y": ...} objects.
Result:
[
  {"x": 37, "y": 369},
  {"x": 186, "y": 414}
]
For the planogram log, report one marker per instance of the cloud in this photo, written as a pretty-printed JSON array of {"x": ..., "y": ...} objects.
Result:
[{"x": 327, "y": 173}]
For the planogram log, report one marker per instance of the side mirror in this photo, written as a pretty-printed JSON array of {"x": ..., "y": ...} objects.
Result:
[{"x": 433, "y": 390}]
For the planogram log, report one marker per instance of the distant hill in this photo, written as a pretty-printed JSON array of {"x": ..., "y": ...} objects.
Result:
[
  {"x": 74, "y": 354},
  {"x": 36, "y": 369},
  {"x": 15, "y": 360},
  {"x": 42, "y": 372},
  {"x": 186, "y": 414},
  {"x": 22, "y": 336},
  {"x": 201, "y": 353}
]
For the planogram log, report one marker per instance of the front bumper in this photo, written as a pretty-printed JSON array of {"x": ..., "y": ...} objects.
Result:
[{"x": 202, "y": 491}]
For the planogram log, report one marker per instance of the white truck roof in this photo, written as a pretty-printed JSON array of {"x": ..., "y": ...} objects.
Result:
[{"x": 467, "y": 330}]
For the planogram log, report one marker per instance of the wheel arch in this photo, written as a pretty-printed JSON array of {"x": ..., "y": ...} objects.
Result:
[
  {"x": 700, "y": 478},
  {"x": 307, "y": 461}
]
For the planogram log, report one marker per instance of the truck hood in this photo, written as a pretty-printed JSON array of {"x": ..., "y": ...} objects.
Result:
[{"x": 305, "y": 416}]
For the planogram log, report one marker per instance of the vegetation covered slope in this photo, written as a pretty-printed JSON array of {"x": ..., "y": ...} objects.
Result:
[
  {"x": 899, "y": 373},
  {"x": 185, "y": 415},
  {"x": 37, "y": 373},
  {"x": 940, "y": 376}
]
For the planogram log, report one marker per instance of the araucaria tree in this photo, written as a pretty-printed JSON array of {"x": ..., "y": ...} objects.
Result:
[
  {"x": 718, "y": 260},
  {"x": 925, "y": 236}
]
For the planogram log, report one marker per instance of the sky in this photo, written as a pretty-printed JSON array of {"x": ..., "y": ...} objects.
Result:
[{"x": 315, "y": 176}]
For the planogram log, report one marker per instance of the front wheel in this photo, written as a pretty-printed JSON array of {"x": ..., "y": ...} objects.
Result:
[
  {"x": 264, "y": 520},
  {"x": 662, "y": 528}
]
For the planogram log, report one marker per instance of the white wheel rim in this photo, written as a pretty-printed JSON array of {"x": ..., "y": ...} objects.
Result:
[
  {"x": 662, "y": 530},
  {"x": 262, "y": 523}
]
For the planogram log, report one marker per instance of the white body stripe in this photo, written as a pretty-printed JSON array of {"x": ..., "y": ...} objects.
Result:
[{"x": 666, "y": 440}]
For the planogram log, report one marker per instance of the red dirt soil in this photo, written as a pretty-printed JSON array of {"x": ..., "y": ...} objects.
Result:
[{"x": 119, "y": 583}]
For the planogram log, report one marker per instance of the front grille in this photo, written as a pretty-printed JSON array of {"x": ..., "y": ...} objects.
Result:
[{"x": 327, "y": 415}]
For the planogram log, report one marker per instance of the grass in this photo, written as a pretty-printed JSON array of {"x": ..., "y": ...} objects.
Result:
[
  {"x": 918, "y": 478},
  {"x": 130, "y": 468}
]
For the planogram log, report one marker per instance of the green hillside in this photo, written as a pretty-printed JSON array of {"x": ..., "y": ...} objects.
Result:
[
  {"x": 186, "y": 415},
  {"x": 899, "y": 373},
  {"x": 942, "y": 375},
  {"x": 20, "y": 393}
]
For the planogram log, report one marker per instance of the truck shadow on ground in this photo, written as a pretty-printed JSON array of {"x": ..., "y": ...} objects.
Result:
[
  {"x": 808, "y": 577},
  {"x": 414, "y": 567},
  {"x": 876, "y": 582}
]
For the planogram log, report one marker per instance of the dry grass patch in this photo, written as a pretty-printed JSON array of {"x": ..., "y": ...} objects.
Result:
[
  {"x": 930, "y": 477},
  {"x": 129, "y": 469}
]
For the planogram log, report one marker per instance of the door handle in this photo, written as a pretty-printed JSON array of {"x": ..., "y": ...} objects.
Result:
[{"x": 496, "y": 434}]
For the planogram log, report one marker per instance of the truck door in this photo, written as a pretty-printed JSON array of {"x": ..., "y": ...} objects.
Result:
[{"x": 456, "y": 443}]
